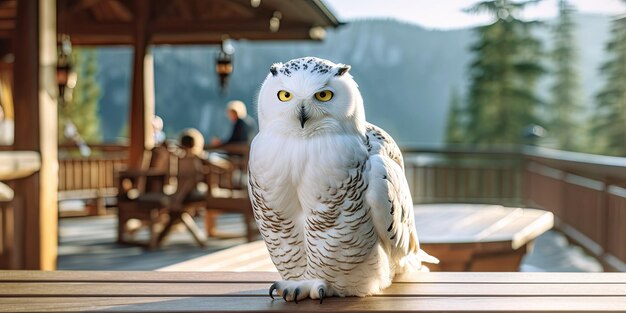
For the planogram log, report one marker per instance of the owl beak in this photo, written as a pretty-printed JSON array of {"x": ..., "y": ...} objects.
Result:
[{"x": 302, "y": 116}]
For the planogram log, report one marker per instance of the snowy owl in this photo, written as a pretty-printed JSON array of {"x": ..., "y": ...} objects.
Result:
[{"x": 328, "y": 189}]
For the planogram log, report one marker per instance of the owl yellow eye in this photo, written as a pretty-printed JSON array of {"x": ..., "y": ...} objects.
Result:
[
  {"x": 284, "y": 95},
  {"x": 324, "y": 96}
]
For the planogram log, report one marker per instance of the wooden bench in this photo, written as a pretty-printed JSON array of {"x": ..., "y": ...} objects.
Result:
[{"x": 32, "y": 291}]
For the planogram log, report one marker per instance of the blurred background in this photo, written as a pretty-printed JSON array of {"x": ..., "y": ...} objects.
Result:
[
  {"x": 518, "y": 104},
  {"x": 440, "y": 64}
]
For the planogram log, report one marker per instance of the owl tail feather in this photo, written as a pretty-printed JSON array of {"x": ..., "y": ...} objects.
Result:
[{"x": 425, "y": 257}]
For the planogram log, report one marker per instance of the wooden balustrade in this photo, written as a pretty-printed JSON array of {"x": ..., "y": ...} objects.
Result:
[
  {"x": 616, "y": 225},
  {"x": 469, "y": 176},
  {"x": 90, "y": 177},
  {"x": 587, "y": 193}
]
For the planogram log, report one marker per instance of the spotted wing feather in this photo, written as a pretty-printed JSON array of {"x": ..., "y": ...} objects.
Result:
[{"x": 389, "y": 196}]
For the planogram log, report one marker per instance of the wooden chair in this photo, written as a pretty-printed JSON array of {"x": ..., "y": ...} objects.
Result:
[
  {"x": 187, "y": 199},
  {"x": 142, "y": 197},
  {"x": 227, "y": 188},
  {"x": 136, "y": 203}
]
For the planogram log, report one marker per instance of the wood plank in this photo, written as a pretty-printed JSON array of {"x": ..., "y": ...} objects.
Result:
[
  {"x": 251, "y": 256},
  {"x": 181, "y": 288},
  {"x": 137, "y": 116},
  {"x": 470, "y": 223},
  {"x": 351, "y": 304},
  {"x": 256, "y": 277},
  {"x": 35, "y": 130},
  {"x": 18, "y": 164}
]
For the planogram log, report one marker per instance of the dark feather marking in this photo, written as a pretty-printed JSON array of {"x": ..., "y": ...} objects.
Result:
[{"x": 342, "y": 70}]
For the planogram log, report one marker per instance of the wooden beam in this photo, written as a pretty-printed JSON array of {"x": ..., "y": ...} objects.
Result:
[
  {"x": 216, "y": 37},
  {"x": 7, "y": 24},
  {"x": 81, "y": 4},
  {"x": 137, "y": 117},
  {"x": 225, "y": 26},
  {"x": 8, "y": 4},
  {"x": 86, "y": 29},
  {"x": 121, "y": 11},
  {"x": 7, "y": 34},
  {"x": 225, "y": 9},
  {"x": 102, "y": 40},
  {"x": 183, "y": 8},
  {"x": 36, "y": 130},
  {"x": 7, "y": 12}
]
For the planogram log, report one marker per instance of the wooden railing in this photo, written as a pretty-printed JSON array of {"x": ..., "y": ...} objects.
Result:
[
  {"x": 91, "y": 177},
  {"x": 587, "y": 193},
  {"x": 462, "y": 175}
]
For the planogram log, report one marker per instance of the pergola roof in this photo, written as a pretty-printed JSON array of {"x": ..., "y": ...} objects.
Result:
[{"x": 110, "y": 22}]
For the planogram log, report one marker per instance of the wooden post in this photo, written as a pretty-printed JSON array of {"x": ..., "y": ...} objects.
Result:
[
  {"x": 36, "y": 130},
  {"x": 141, "y": 111}
]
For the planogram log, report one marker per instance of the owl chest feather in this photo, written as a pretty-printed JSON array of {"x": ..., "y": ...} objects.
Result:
[
  {"x": 304, "y": 173},
  {"x": 318, "y": 185}
]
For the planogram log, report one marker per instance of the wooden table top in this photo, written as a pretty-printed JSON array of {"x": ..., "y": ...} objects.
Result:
[
  {"x": 32, "y": 291},
  {"x": 472, "y": 223},
  {"x": 436, "y": 224}
]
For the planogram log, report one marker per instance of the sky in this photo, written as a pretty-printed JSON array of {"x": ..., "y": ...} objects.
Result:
[{"x": 448, "y": 14}]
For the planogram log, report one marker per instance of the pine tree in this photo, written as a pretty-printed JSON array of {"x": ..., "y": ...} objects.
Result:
[
  {"x": 503, "y": 74},
  {"x": 565, "y": 92},
  {"x": 454, "y": 126},
  {"x": 82, "y": 109},
  {"x": 609, "y": 127}
]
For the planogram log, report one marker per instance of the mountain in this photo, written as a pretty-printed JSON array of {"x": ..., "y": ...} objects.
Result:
[{"x": 405, "y": 73}]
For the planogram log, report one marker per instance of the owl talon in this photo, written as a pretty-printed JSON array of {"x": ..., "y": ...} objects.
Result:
[
  {"x": 295, "y": 296},
  {"x": 297, "y": 291},
  {"x": 272, "y": 288}
]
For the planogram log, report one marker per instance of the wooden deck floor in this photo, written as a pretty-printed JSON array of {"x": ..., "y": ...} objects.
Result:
[{"x": 89, "y": 244}]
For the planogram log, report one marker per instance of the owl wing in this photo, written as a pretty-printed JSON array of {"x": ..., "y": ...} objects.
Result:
[{"x": 389, "y": 197}]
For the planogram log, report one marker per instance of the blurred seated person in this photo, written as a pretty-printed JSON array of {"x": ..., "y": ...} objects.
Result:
[
  {"x": 235, "y": 151},
  {"x": 190, "y": 168},
  {"x": 160, "y": 152},
  {"x": 157, "y": 158},
  {"x": 244, "y": 126},
  {"x": 157, "y": 130}
]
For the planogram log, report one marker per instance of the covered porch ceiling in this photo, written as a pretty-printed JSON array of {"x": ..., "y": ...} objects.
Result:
[{"x": 113, "y": 22}]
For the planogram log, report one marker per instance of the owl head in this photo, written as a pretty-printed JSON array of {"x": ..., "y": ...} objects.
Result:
[{"x": 310, "y": 96}]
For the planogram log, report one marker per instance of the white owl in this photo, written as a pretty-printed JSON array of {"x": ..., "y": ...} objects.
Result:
[{"x": 328, "y": 189}]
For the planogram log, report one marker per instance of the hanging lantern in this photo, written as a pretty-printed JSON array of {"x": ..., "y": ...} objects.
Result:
[
  {"x": 275, "y": 21},
  {"x": 224, "y": 63},
  {"x": 66, "y": 76}
]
